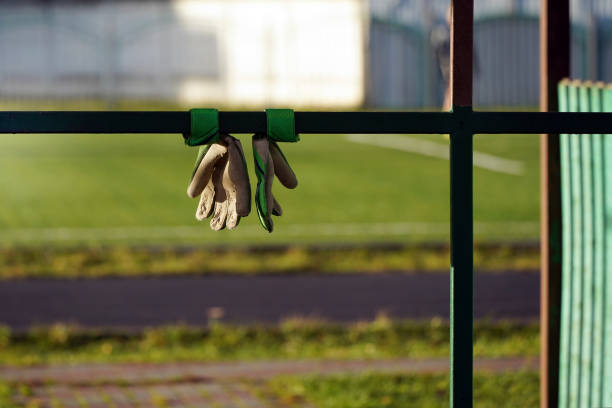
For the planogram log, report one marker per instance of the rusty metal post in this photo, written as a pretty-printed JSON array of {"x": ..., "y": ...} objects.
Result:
[
  {"x": 462, "y": 208},
  {"x": 462, "y": 52},
  {"x": 554, "y": 66}
]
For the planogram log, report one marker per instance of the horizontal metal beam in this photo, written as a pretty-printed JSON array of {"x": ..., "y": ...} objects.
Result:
[
  {"x": 310, "y": 122},
  {"x": 94, "y": 122},
  {"x": 541, "y": 122}
]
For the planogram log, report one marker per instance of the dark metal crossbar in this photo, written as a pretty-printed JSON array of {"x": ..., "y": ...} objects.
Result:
[
  {"x": 461, "y": 124},
  {"x": 311, "y": 122}
]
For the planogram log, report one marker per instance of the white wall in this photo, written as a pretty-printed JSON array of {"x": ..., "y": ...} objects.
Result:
[
  {"x": 223, "y": 52},
  {"x": 283, "y": 52}
]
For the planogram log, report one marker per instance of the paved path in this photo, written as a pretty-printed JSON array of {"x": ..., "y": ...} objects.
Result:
[
  {"x": 140, "y": 302},
  {"x": 234, "y": 384},
  {"x": 206, "y": 372}
]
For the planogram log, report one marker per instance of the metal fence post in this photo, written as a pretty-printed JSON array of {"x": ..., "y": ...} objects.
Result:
[
  {"x": 462, "y": 219},
  {"x": 462, "y": 272},
  {"x": 554, "y": 66}
]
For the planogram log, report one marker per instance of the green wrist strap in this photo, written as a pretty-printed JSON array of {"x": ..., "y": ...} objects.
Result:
[
  {"x": 204, "y": 127},
  {"x": 281, "y": 125}
]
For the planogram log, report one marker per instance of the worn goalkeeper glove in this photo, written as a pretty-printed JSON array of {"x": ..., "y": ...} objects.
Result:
[
  {"x": 269, "y": 160},
  {"x": 221, "y": 179}
]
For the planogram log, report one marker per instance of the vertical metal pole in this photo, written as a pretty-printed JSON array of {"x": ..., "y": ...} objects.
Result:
[
  {"x": 462, "y": 52},
  {"x": 554, "y": 66},
  {"x": 462, "y": 268}
]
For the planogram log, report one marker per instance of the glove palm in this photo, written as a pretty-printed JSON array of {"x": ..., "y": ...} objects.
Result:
[{"x": 221, "y": 179}]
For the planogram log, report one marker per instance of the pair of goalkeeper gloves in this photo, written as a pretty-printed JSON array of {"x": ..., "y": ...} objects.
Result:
[{"x": 220, "y": 175}]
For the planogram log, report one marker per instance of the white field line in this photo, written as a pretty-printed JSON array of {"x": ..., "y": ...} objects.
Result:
[
  {"x": 349, "y": 229},
  {"x": 438, "y": 150}
]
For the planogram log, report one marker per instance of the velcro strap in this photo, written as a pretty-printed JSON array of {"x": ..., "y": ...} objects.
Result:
[
  {"x": 281, "y": 125},
  {"x": 204, "y": 127}
]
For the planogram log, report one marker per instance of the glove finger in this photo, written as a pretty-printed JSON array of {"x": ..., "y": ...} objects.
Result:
[
  {"x": 283, "y": 171},
  {"x": 232, "y": 216},
  {"x": 233, "y": 223},
  {"x": 238, "y": 176},
  {"x": 206, "y": 202},
  {"x": 269, "y": 197},
  {"x": 217, "y": 221},
  {"x": 202, "y": 151},
  {"x": 264, "y": 169},
  {"x": 230, "y": 191},
  {"x": 204, "y": 170},
  {"x": 276, "y": 208}
]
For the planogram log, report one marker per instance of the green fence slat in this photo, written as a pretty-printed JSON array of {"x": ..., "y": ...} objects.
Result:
[
  {"x": 597, "y": 325},
  {"x": 567, "y": 239},
  {"x": 607, "y": 341},
  {"x": 586, "y": 274},
  {"x": 585, "y": 360},
  {"x": 577, "y": 258}
]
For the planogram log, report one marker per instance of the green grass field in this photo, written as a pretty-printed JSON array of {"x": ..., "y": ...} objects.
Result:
[
  {"x": 373, "y": 390},
  {"x": 364, "y": 390},
  {"x": 381, "y": 338},
  {"x": 130, "y": 189}
]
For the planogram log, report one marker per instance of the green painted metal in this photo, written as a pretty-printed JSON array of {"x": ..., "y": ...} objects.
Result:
[
  {"x": 599, "y": 252},
  {"x": 597, "y": 325},
  {"x": 607, "y": 276},
  {"x": 587, "y": 250},
  {"x": 576, "y": 249},
  {"x": 566, "y": 284},
  {"x": 586, "y": 323}
]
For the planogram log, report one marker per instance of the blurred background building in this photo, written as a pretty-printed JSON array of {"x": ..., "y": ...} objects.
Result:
[
  {"x": 262, "y": 52},
  {"x": 348, "y": 54}
]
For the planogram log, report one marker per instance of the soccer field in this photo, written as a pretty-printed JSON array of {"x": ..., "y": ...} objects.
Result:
[{"x": 130, "y": 189}]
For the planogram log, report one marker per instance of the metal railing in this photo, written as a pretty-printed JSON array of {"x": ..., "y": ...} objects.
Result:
[{"x": 461, "y": 123}]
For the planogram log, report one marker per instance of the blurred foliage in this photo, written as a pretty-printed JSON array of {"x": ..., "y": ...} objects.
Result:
[
  {"x": 293, "y": 339},
  {"x": 7, "y": 393},
  {"x": 126, "y": 261},
  {"x": 5, "y": 336}
]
